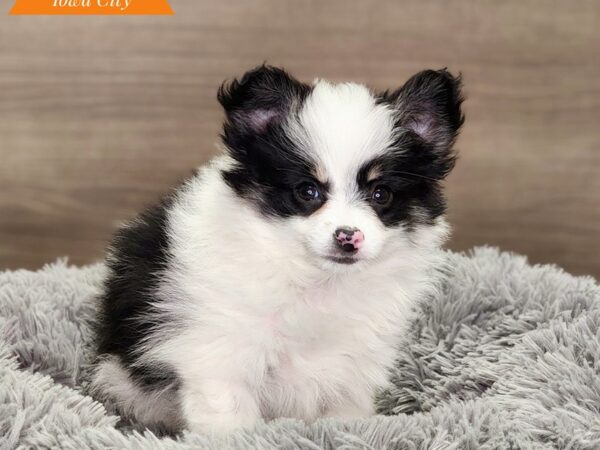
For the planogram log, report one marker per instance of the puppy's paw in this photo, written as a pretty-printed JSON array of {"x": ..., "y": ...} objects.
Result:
[{"x": 219, "y": 407}]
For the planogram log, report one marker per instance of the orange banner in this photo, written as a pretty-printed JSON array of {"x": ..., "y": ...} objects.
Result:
[{"x": 91, "y": 7}]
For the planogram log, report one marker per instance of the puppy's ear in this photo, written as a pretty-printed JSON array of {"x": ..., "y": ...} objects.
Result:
[
  {"x": 263, "y": 96},
  {"x": 429, "y": 104}
]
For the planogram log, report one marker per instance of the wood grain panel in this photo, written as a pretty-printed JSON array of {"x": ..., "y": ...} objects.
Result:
[{"x": 99, "y": 115}]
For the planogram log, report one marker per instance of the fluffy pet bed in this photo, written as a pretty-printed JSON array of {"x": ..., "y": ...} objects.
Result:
[{"x": 506, "y": 355}]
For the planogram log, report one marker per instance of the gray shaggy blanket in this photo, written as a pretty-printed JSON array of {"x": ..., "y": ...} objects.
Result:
[{"x": 505, "y": 355}]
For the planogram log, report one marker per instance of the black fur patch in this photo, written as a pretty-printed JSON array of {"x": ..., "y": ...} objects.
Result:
[
  {"x": 270, "y": 176},
  {"x": 429, "y": 106},
  {"x": 429, "y": 117},
  {"x": 416, "y": 194},
  {"x": 137, "y": 259},
  {"x": 269, "y": 165},
  {"x": 264, "y": 96}
]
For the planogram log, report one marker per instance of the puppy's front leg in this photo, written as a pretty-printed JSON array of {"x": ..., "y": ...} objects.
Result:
[{"x": 218, "y": 406}]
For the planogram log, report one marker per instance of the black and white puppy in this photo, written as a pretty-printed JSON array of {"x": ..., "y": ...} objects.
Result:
[{"x": 278, "y": 281}]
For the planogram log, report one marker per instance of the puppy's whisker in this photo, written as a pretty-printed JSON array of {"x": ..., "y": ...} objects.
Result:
[{"x": 416, "y": 175}]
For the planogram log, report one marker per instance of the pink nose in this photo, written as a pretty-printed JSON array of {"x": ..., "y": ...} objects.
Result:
[{"x": 349, "y": 239}]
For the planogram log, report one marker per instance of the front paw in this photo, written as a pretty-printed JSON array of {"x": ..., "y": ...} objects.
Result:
[{"x": 219, "y": 408}]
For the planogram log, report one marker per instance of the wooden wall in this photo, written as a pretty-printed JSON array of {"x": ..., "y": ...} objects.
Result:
[{"x": 98, "y": 115}]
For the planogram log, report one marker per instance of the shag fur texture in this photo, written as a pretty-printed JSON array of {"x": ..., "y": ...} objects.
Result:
[{"x": 505, "y": 355}]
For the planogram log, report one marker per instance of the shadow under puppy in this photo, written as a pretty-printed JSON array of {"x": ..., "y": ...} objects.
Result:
[{"x": 279, "y": 280}]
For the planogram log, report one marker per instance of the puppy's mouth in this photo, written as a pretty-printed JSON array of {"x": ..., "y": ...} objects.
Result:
[{"x": 342, "y": 259}]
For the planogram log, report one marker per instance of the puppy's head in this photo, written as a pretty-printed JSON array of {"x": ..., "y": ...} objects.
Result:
[{"x": 354, "y": 176}]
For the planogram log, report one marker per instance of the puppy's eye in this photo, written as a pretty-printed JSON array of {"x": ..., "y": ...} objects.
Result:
[
  {"x": 308, "y": 192},
  {"x": 381, "y": 195}
]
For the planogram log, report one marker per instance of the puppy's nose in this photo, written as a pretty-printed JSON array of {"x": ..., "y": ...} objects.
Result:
[{"x": 349, "y": 239}]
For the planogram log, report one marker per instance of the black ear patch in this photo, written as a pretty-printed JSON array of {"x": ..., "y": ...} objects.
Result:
[
  {"x": 263, "y": 96},
  {"x": 428, "y": 118},
  {"x": 269, "y": 163},
  {"x": 429, "y": 105}
]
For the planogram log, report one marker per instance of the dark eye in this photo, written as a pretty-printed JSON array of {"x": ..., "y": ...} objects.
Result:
[
  {"x": 308, "y": 192},
  {"x": 381, "y": 195}
]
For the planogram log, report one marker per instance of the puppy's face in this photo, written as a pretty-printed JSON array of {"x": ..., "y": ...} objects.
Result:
[{"x": 349, "y": 173}]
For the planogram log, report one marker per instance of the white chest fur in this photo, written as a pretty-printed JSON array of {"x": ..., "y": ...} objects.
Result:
[{"x": 256, "y": 330}]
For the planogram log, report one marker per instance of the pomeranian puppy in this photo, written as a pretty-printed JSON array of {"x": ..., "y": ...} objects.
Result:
[{"x": 278, "y": 281}]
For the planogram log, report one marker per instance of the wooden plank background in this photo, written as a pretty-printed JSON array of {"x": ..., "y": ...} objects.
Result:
[{"x": 99, "y": 115}]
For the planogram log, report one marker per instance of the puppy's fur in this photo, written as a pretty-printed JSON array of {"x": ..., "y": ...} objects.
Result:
[{"x": 239, "y": 299}]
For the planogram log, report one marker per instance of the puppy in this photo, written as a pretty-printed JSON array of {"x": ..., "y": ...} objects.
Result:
[{"x": 279, "y": 280}]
